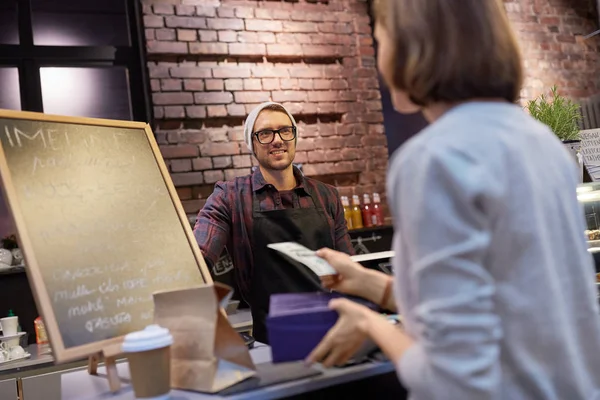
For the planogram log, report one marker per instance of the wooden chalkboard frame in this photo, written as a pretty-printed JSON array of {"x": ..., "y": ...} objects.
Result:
[{"x": 34, "y": 275}]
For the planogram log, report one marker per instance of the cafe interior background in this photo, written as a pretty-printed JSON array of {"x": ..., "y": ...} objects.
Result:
[{"x": 195, "y": 68}]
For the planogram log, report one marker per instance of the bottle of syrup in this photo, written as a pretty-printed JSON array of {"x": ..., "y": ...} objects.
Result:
[
  {"x": 347, "y": 211},
  {"x": 376, "y": 211},
  {"x": 367, "y": 211},
  {"x": 357, "y": 221}
]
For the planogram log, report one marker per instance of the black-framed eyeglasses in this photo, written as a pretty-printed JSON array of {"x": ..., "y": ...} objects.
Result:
[{"x": 267, "y": 136}]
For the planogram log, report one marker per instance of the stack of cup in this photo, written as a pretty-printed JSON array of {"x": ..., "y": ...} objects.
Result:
[
  {"x": 9, "y": 325},
  {"x": 149, "y": 356}
]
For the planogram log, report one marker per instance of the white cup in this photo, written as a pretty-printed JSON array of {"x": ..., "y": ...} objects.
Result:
[
  {"x": 149, "y": 355},
  {"x": 9, "y": 325},
  {"x": 16, "y": 352}
]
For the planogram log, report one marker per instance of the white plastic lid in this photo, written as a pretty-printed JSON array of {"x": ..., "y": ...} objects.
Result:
[{"x": 152, "y": 337}]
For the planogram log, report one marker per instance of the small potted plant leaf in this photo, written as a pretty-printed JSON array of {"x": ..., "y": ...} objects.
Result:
[{"x": 562, "y": 115}]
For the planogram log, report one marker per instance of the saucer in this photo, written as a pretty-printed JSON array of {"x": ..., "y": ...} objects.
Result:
[
  {"x": 26, "y": 355},
  {"x": 19, "y": 334}
]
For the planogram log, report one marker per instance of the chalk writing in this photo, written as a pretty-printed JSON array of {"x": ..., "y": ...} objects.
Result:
[
  {"x": 80, "y": 291},
  {"x": 105, "y": 323},
  {"x": 90, "y": 306}
]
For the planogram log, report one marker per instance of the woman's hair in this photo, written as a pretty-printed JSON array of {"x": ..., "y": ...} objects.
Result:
[{"x": 449, "y": 50}]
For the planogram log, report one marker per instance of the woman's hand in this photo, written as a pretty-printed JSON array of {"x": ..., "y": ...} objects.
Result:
[{"x": 345, "y": 338}]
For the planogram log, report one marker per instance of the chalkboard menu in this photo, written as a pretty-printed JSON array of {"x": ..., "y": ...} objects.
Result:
[{"x": 99, "y": 222}]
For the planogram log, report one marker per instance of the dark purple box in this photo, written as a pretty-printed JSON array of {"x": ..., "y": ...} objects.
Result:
[{"x": 298, "y": 321}]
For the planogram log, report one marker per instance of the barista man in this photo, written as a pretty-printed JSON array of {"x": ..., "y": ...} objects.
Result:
[{"x": 275, "y": 203}]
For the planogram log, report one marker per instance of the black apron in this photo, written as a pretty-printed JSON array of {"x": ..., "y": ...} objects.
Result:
[{"x": 272, "y": 273}]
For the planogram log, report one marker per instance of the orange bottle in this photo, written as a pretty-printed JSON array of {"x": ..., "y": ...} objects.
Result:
[
  {"x": 357, "y": 221},
  {"x": 347, "y": 211}
]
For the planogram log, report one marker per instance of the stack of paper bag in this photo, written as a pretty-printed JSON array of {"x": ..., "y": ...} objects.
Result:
[
  {"x": 297, "y": 322},
  {"x": 207, "y": 354}
]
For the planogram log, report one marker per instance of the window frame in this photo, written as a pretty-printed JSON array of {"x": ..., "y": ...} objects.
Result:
[{"x": 29, "y": 58}]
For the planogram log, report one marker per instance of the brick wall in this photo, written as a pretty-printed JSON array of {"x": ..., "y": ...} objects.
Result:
[
  {"x": 551, "y": 33},
  {"x": 211, "y": 62}
]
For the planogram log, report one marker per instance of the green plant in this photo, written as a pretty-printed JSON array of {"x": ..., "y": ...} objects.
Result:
[{"x": 562, "y": 115}]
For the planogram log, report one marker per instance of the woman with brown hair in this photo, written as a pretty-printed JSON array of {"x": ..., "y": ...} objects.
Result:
[{"x": 491, "y": 275}]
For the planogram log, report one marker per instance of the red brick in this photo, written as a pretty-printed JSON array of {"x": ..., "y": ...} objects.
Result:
[
  {"x": 236, "y": 134},
  {"x": 153, "y": 21},
  {"x": 185, "y": 22},
  {"x": 372, "y": 117},
  {"x": 324, "y": 96},
  {"x": 208, "y": 36},
  {"x": 234, "y": 84},
  {"x": 236, "y": 110},
  {"x": 216, "y": 111},
  {"x": 194, "y": 136},
  {"x": 224, "y": 24},
  {"x": 281, "y": 14},
  {"x": 305, "y": 144},
  {"x": 185, "y": 10},
  {"x": 173, "y": 137},
  {"x": 231, "y": 174},
  {"x": 226, "y": 12},
  {"x": 213, "y": 84},
  {"x": 154, "y": 47},
  {"x": 244, "y": 12},
  {"x": 193, "y": 85},
  {"x": 205, "y": 11},
  {"x": 262, "y": 13},
  {"x": 326, "y": 108},
  {"x": 219, "y": 149},
  {"x": 159, "y": 112},
  {"x": 149, "y": 34},
  {"x": 201, "y": 164},
  {"x": 192, "y": 206},
  {"x": 292, "y": 95},
  {"x": 174, "y": 112},
  {"x": 184, "y": 193},
  {"x": 306, "y": 72},
  {"x": 222, "y": 162},
  {"x": 252, "y": 84},
  {"x": 290, "y": 83},
  {"x": 373, "y": 105},
  {"x": 301, "y": 108},
  {"x": 231, "y": 72},
  {"x": 270, "y": 72},
  {"x": 227, "y": 36},
  {"x": 284, "y": 50},
  {"x": 155, "y": 85},
  {"x": 299, "y": 27},
  {"x": 164, "y": 9},
  {"x": 179, "y": 151},
  {"x": 195, "y": 111},
  {"x": 186, "y": 35},
  {"x": 327, "y": 130},
  {"x": 213, "y": 97},
  {"x": 165, "y": 34},
  {"x": 270, "y": 84},
  {"x": 301, "y": 157},
  {"x": 305, "y": 84},
  {"x": 190, "y": 72},
  {"x": 248, "y": 37},
  {"x": 317, "y": 156},
  {"x": 251, "y": 97},
  {"x": 187, "y": 178},
  {"x": 208, "y": 48},
  {"x": 218, "y": 135},
  {"x": 183, "y": 165},
  {"x": 266, "y": 37},
  {"x": 242, "y": 161},
  {"x": 321, "y": 50},
  {"x": 287, "y": 38},
  {"x": 172, "y": 98},
  {"x": 247, "y": 49},
  {"x": 263, "y": 25}
]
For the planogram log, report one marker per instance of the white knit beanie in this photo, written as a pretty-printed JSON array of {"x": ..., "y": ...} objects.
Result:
[{"x": 249, "y": 126}]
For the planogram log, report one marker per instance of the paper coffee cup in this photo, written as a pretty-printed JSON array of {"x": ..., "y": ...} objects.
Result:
[
  {"x": 9, "y": 325},
  {"x": 149, "y": 355}
]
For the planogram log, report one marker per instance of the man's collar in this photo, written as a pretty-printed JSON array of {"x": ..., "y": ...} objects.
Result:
[{"x": 258, "y": 180}]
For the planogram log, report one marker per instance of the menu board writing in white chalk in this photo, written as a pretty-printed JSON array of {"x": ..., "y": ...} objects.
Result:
[
  {"x": 590, "y": 151},
  {"x": 99, "y": 224}
]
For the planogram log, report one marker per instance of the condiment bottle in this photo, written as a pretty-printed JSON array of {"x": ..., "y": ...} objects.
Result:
[
  {"x": 357, "y": 222},
  {"x": 367, "y": 212},
  {"x": 377, "y": 211},
  {"x": 347, "y": 211}
]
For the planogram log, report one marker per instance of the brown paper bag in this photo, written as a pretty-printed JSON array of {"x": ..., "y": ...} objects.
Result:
[{"x": 207, "y": 354}]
